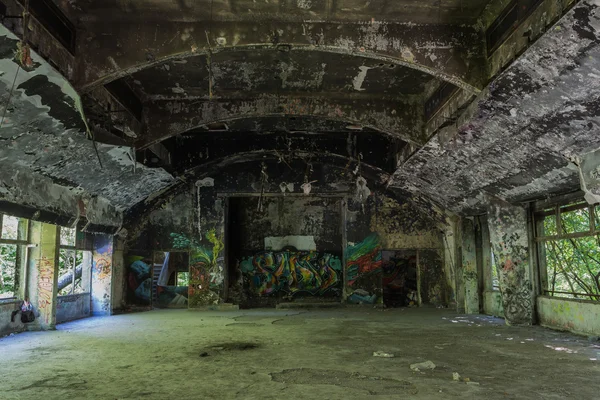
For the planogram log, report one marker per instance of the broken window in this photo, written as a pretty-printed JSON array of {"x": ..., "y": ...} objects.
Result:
[
  {"x": 13, "y": 248},
  {"x": 74, "y": 265},
  {"x": 183, "y": 278},
  {"x": 569, "y": 251}
]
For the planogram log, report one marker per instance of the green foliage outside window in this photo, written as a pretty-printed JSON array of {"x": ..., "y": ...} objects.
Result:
[
  {"x": 8, "y": 267},
  {"x": 572, "y": 263}
]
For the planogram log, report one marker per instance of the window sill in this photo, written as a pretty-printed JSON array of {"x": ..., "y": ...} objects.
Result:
[
  {"x": 73, "y": 295},
  {"x": 12, "y": 300},
  {"x": 569, "y": 299}
]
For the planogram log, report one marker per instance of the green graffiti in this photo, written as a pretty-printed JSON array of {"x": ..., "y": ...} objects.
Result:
[
  {"x": 218, "y": 245},
  {"x": 363, "y": 258}
]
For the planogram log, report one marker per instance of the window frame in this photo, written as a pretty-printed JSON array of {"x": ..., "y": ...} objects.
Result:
[
  {"x": 22, "y": 255},
  {"x": 539, "y": 216},
  {"x": 76, "y": 247}
]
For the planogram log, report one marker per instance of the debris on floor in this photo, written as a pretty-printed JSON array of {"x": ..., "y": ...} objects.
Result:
[
  {"x": 373, "y": 385},
  {"x": 456, "y": 376},
  {"x": 382, "y": 354},
  {"x": 422, "y": 366}
]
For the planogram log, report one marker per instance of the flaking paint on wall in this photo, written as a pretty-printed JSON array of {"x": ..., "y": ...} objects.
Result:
[{"x": 508, "y": 234}]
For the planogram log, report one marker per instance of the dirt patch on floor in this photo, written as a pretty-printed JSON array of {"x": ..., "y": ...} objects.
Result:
[{"x": 373, "y": 385}]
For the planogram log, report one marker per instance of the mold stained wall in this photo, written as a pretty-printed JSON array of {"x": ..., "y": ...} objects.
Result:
[
  {"x": 193, "y": 217},
  {"x": 304, "y": 222},
  {"x": 578, "y": 316}
]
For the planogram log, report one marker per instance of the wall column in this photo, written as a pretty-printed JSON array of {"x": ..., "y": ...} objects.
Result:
[
  {"x": 508, "y": 235},
  {"x": 118, "y": 275},
  {"x": 469, "y": 267},
  {"x": 102, "y": 270},
  {"x": 43, "y": 274}
]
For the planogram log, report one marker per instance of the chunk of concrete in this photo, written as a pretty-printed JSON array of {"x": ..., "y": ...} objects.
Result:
[
  {"x": 423, "y": 366},
  {"x": 382, "y": 354}
]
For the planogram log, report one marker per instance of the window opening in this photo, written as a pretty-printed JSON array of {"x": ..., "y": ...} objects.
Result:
[
  {"x": 74, "y": 265},
  {"x": 13, "y": 243},
  {"x": 569, "y": 251}
]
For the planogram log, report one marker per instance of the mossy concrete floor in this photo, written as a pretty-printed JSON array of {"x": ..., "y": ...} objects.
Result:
[{"x": 276, "y": 354}]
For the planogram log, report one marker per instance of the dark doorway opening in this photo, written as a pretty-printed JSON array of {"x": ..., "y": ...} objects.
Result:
[{"x": 400, "y": 278}]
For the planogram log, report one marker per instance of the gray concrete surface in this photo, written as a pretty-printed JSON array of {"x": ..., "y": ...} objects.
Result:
[{"x": 275, "y": 354}]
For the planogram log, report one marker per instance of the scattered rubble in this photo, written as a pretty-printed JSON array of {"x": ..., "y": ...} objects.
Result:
[
  {"x": 382, "y": 354},
  {"x": 423, "y": 366}
]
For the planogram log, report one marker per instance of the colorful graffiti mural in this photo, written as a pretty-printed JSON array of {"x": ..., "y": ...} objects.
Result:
[
  {"x": 172, "y": 296},
  {"x": 363, "y": 258},
  {"x": 293, "y": 272},
  {"x": 206, "y": 269},
  {"x": 139, "y": 280},
  {"x": 102, "y": 274}
]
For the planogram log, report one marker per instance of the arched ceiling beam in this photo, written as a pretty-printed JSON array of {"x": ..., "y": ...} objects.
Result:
[
  {"x": 169, "y": 118},
  {"x": 379, "y": 176},
  {"x": 110, "y": 51},
  {"x": 251, "y": 161}
]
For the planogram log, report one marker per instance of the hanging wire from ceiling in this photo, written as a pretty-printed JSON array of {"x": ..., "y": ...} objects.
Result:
[{"x": 23, "y": 57}]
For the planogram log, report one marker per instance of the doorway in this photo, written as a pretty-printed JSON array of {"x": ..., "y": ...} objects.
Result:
[
  {"x": 170, "y": 279},
  {"x": 400, "y": 287}
]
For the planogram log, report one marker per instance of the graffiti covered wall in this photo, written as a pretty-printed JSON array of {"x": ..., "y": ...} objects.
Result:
[
  {"x": 293, "y": 273},
  {"x": 269, "y": 226},
  {"x": 139, "y": 280},
  {"x": 206, "y": 268},
  {"x": 363, "y": 270},
  {"x": 384, "y": 238}
]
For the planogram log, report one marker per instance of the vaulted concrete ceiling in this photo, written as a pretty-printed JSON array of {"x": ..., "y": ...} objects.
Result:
[
  {"x": 402, "y": 84},
  {"x": 416, "y": 11}
]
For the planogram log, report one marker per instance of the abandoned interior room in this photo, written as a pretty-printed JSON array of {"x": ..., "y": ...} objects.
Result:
[{"x": 304, "y": 199}]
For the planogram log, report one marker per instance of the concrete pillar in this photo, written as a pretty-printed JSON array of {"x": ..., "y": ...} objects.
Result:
[
  {"x": 509, "y": 238},
  {"x": 102, "y": 271},
  {"x": 469, "y": 268},
  {"x": 450, "y": 258},
  {"x": 118, "y": 276},
  {"x": 43, "y": 274}
]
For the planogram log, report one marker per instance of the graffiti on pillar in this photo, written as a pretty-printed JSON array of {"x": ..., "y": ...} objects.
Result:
[
  {"x": 45, "y": 286},
  {"x": 101, "y": 273},
  {"x": 363, "y": 270},
  {"x": 293, "y": 272},
  {"x": 508, "y": 234},
  {"x": 103, "y": 266},
  {"x": 206, "y": 269},
  {"x": 515, "y": 285}
]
